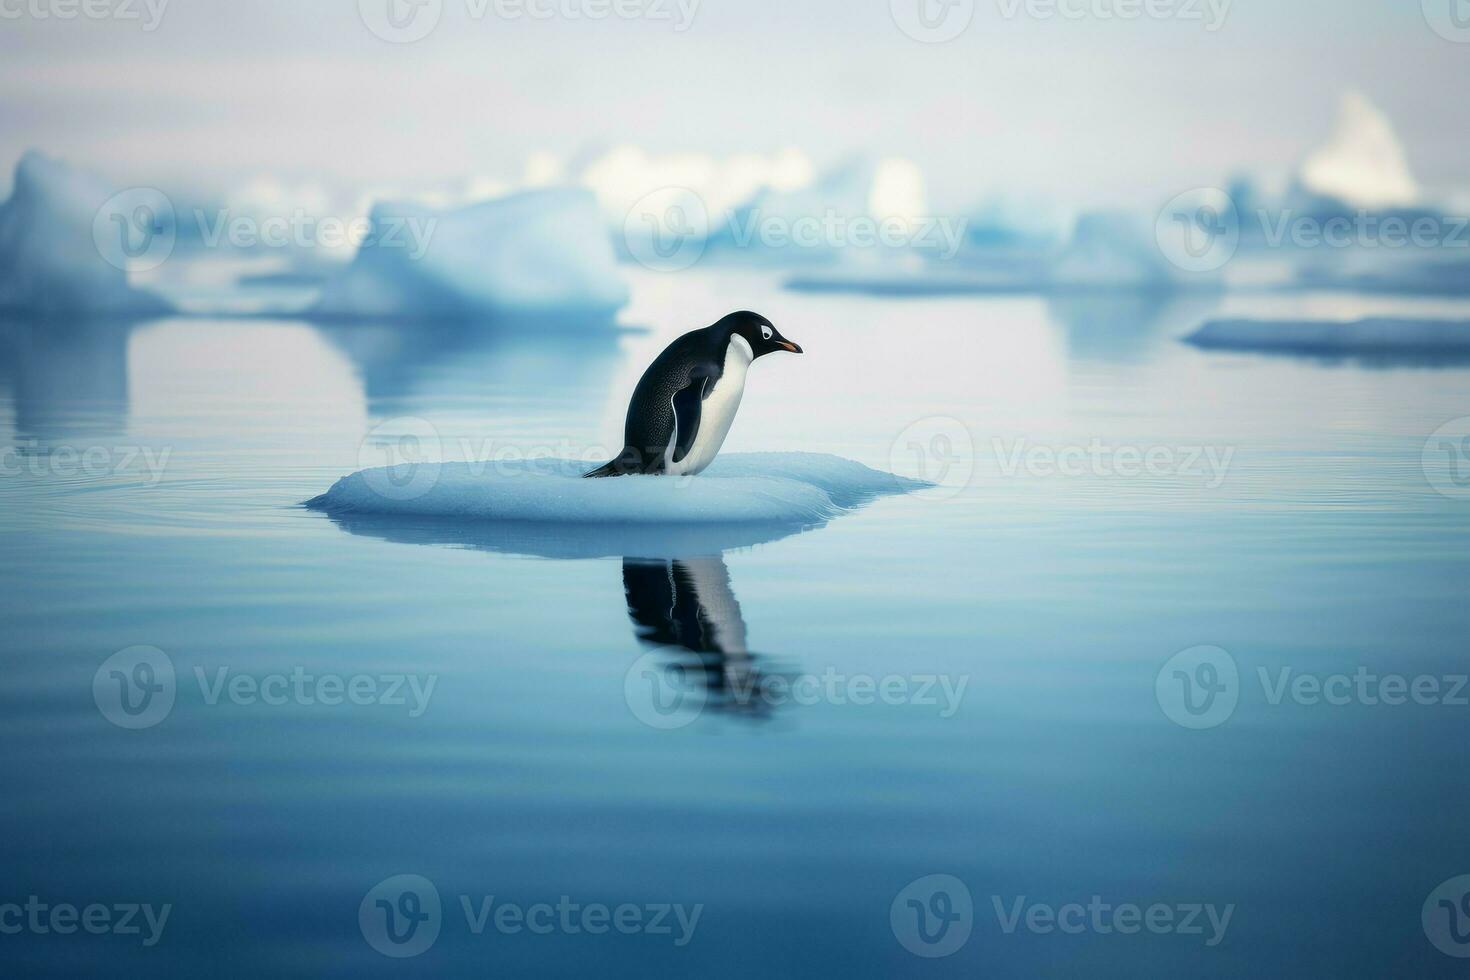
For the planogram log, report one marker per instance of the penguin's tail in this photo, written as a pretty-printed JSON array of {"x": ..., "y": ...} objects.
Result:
[
  {"x": 606, "y": 469},
  {"x": 627, "y": 463}
]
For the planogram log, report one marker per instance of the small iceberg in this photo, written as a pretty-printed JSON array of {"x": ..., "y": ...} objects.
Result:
[
  {"x": 1110, "y": 250},
  {"x": 542, "y": 252},
  {"x": 545, "y": 507},
  {"x": 1379, "y": 336}
]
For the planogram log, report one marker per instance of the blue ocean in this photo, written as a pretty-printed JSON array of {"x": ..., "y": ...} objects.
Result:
[{"x": 1157, "y": 670}]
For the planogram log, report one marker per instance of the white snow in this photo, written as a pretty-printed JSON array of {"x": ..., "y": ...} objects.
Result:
[
  {"x": 1363, "y": 164},
  {"x": 753, "y": 488},
  {"x": 1384, "y": 335},
  {"x": 49, "y": 261},
  {"x": 541, "y": 251}
]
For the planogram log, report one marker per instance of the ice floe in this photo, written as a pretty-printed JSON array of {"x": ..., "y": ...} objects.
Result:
[{"x": 545, "y": 505}]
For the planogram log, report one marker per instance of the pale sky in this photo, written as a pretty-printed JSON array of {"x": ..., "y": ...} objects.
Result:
[{"x": 1086, "y": 110}]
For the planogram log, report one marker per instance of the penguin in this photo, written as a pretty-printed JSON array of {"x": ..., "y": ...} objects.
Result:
[
  {"x": 685, "y": 402},
  {"x": 685, "y": 602},
  {"x": 687, "y": 607}
]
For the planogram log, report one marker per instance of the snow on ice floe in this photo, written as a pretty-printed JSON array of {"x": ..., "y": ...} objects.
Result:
[
  {"x": 545, "y": 505},
  {"x": 541, "y": 252},
  {"x": 51, "y": 261},
  {"x": 1380, "y": 336}
]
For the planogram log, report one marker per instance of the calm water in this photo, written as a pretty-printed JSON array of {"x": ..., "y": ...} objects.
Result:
[{"x": 704, "y": 732}]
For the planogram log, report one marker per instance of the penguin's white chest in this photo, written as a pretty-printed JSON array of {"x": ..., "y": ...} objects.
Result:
[{"x": 717, "y": 413}]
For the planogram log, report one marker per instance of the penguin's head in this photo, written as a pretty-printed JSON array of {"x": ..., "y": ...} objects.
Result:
[{"x": 758, "y": 332}]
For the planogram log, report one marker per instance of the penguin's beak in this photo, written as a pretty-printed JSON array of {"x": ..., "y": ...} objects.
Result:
[{"x": 788, "y": 345}]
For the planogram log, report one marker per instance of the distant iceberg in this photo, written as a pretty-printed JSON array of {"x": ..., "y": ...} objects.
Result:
[
  {"x": 1363, "y": 164},
  {"x": 1108, "y": 250},
  {"x": 832, "y": 218},
  {"x": 50, "y": 262},
  {"x": 1025, "y": 222},
  {"x": 1413, "y": 274},
  {"x": 1381, "y": 336},
  {"x": 926, "y": 281},
  {"x": 775, "y": 489},
  {"x": 540, "y": 252}
]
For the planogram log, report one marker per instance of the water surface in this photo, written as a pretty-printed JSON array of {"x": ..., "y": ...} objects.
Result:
[{"x": 591, "y": 731}]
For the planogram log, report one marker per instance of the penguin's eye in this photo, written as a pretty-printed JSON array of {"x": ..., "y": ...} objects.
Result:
[{"x": 765, "y": 332}]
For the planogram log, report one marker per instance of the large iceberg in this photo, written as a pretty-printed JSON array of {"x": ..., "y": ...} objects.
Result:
[
  {"x": 50, "y": 262},
  {"x": 741, "y": 499},
  {"x": 1379, "y": 336},
  {"x": 540, "y": 252}
]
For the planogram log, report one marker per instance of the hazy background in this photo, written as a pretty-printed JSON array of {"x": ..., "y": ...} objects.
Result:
[{"x": 1083, "y": 112}]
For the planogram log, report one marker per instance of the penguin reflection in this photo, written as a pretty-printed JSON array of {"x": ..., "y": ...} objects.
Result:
[{"x": 688, "y": 603}]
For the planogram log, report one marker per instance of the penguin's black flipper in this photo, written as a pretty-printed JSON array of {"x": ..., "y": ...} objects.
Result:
[{"x": 687, "y": 404}]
